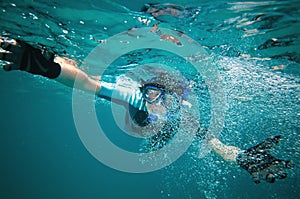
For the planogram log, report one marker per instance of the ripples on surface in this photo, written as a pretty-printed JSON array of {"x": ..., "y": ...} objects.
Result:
[{"x": 263, "y": 29}]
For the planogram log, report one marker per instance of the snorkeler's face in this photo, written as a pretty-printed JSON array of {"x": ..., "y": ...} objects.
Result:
[
  {"x": 157, "y": 109},
  {"x": 160, "y": 103}
]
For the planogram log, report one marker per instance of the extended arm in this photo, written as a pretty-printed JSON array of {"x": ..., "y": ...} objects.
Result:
[
  {"x": 22, "y": 56},
  {"x": 256, "y": 160}
]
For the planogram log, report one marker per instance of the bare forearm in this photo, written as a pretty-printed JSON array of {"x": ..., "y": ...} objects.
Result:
[
  {"x": 71, "y": 73},
  {"x": 228, "y": 153}
]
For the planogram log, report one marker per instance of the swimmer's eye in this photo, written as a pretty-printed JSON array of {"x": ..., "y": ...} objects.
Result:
[{"x": 151, "y": 94}]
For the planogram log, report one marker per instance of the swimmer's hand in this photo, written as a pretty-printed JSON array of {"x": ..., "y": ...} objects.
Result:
[
  {"x": 261, "y": 164},
  {"x": 22, "y": 56}
]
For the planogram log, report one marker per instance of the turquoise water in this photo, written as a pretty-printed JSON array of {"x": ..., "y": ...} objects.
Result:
[{"x": 255, "y": 46}]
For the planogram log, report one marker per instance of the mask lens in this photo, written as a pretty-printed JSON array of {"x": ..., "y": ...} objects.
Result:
[
  {"x": 152, "y": 94},
  {"x": 170, "y": 100}
]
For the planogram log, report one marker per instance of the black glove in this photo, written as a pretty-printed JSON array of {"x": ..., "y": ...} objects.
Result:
[
  {"x": 261, "y": 164},
  {"x": 23, "y": 56}
]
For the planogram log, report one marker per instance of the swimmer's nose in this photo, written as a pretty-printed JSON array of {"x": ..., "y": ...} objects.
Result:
[{"x": 158, "y": 106}]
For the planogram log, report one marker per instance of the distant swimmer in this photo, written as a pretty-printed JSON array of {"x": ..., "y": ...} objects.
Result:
[{"x": 162, "y": 11}]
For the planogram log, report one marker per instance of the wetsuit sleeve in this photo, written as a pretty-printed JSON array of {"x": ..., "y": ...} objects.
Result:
[{"x": 122, "y": 94}]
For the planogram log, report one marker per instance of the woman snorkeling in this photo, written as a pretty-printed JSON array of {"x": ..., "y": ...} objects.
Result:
[
  {"x": 153, "y": 105},
  {"x": 156, "y": 102}
]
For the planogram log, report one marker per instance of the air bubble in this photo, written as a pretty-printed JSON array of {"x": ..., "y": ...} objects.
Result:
[{"x": 34, "y": 17}]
